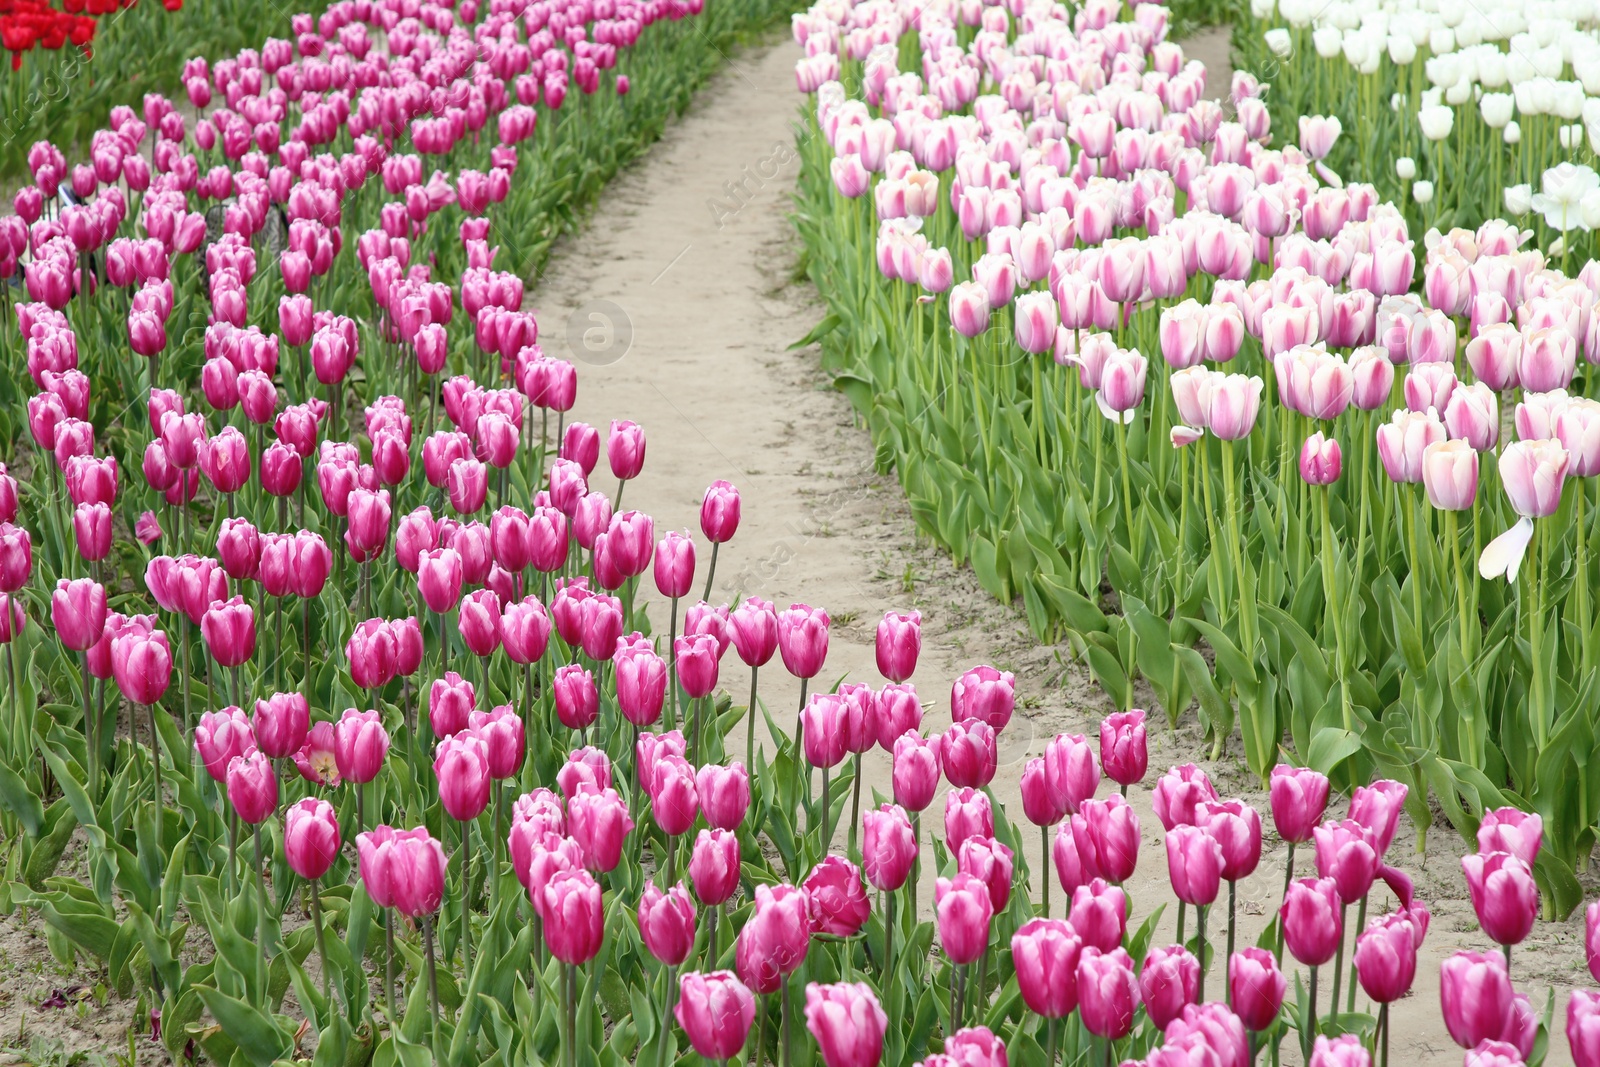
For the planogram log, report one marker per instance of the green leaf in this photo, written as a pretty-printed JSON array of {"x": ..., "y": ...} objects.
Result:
[
  {"x": 21, "y": 801},
  {"x": 1330, "y": 747},
  {"x": 257, "y": 1034}
]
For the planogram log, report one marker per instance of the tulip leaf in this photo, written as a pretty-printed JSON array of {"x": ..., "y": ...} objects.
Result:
[
  {"x": 1330, "y": 747},
  {"x": 256, "y": 1033},
  {"x": 21, "y": 801}
]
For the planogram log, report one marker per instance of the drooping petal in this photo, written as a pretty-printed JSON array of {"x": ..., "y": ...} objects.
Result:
[{"x": 1504, "y": 554}]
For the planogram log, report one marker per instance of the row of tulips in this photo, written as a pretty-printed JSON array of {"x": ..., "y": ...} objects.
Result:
[
  {"x": 1315, "y": 478},
  {"x": 123, "y": 725}
]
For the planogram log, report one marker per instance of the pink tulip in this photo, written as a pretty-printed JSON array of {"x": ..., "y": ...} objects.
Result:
[
  {"x": 916, "y": 770},
  {"x": 281, "y": 723},
  {"x": 252, "y": 787},
  {"x": 1099, "y": 914},
  {"x": 1298, "y": 796},
  {"x": 1178, "y": 793},
  {"x": 141, "y": 661},
  {"x": 1039, "y": 804},
  {"x": 1509, "y": 830},
  {"x": 674, "y": 565},
  {"x": 1123, "y": 751},
  {"x": 963, "y": 909},
  {"x": 895, "y": 710},
  {"x": 1106, "y": 833},
  {"x": 1194, "y": 864},
  {"x": 461, "y": 765},
  {"x": 716, "y": 1012},
  {"x": 899, "y": 642},
  {"x": 667, "y": 923},
  {"x": 674, "y": 802},
  {"x": 1108, "y": 992},
  {"x": 968, "y": 752},
  {"x": 573, "y": 916},
  {"x": 1377, "y": 807},
  {"x": 847, "y": 1022},
  {"x": 599, "y": 821},
  {"x": 229, "y": 631},
  {"x": 753, "y": 631},
  {"x": 1169, "y": 981},
  {"x": 803, "y": 639},
  {"x": 1386, "y": 957},
  {"x": 1321, "y": 460},
  {"x": 1311, "y": 919},
  {"x": 1343, "y": 1051},
  {"x": 414, "y": 865},
  {"x": 714, "y": 866},
  {"x": 774, "y": 940},
  {"x": 1257, "y": 987},
  {"x": 501, "y": 731},
  {"x": 219, "y": 736},
  {"x": 719, "y": 512},
  {"x": 1583, "y": 1027},
  {"x": 360, "y": 744},
  {"x": 1532, "y": 473},
  {"x": 78, "y": 612},
  {"x": 838, "y": 901},
  {"x": 1236, "y": 827},
  {"x": 986, "y": 694},
  {"x": 724, "y": 794},
  {"x": 310, "y": 838},
  {"x": 1345, "y": 855},
  {"x": 1475, "y": 996},
  {"x": 1045, "y": 953},
  {"x": 1503, "y": 895}
]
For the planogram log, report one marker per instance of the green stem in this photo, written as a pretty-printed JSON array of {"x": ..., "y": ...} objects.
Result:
[
  {"x": 1288, "y": 879},
  {"x": 261, "y": 919}
]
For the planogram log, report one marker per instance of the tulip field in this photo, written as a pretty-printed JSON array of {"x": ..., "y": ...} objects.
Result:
[{"x": 349, "y": 716}]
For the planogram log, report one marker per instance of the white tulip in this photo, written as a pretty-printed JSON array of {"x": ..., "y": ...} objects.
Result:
[
  {"x": 1436, "y": 122},
  {"x": 1441, "y": 40},
  {"x": 1262, "y": 9},
  {"x": 1513, "y": 134},
  {"x": 1422, "y": 192},
  {"x": 1570, "y": 136},
  {"x": 1529, "y": 101},
  {"x": 1519, "y": 198},
  {"x": 1459, "y": 93},
  {"x": 1279, "y": 41},
  {"x": 1497, "y": 109},
  {"x": 1589, "y": 209},
  {"x": 1328, "y": 41},
  {"x": 1342, "y": 17},
  {"x": 1297, "y": 13},
  {"x": 1405, "y": 168},
  {"x": 1561, "y": 189},
  {"x": 1492, "y": 68},
  {"x": 1593, "y": 130},
  {"x": 1402, "y": 49},
  {"x": 1549, "y": 62},
  {"x": 1558, "y": 247},
  {"x": 1518, "y": 68},
  {"x": 1444, "y": 69},
  {"x": 1396, "y": 102},
  {"x": 1355, "y": 49},
  {"x": 1469, "y": 31},
  {"x": 1568, "y": 102},
  {"x": 1453, "y": 15}
]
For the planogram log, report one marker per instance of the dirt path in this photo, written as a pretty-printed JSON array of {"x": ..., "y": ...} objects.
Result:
[{"x": 694, "y": 258}]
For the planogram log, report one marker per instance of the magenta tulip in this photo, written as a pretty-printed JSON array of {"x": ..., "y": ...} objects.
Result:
[
  {"x": 1045, "y": 953},
  {"x": 667, "y": 923},
  {"x": 716, "y": 1012},
  {"x": 310, "y": 838}
]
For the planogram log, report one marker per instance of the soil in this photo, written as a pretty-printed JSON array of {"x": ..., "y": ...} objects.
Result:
[{"x": 680, "y": 302}]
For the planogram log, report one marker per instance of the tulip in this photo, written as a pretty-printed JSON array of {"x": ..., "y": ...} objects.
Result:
[
  {"x": 774, "y": 940},
  {"x": 719, "y": 514},
  {"x": 716, "y": 1012},
  {"x": 1123, "y": 751},
  {"x": 753, "y": 631},
  {"x": 667, "y": 923},
  {"x": 1583, "y": 1027},
  {"x": 141, "y": 661},
  {"x": 1503, "y": 895},
  {"x": 1039, "y": 804},
  {"x": 525, "y": 631},
  {"x": 695, "y": 657},
  {"x": 724, "y": 794},
  {"x": 1591, "y": 939},
  {"x": 714, "y": 866},
  {"x": 1343, "y": 1051},
  {"x": 1045, "y": 954},
  {"x": 591, "y": 767},
  {"x": 967, "y": 813},
  {"x": 461, "y": 766},
  {"x": 573, "y": 917},
  {"x": 598, "y": 821},
  {"x": 847, "y": 1022},
  {"x": 310, "y": 838},
  {"x": 975, "y": 1046},
  {"x": 1194, "y": 865},
  {"x": 899, "y": 642},
  {"x": 315, "y": 760},
  {"x": 360, "y": 744},
  {"x": 674, "y": 565},
  {"x": 1346, "y": 856},
  {"x": 1298, "y": 796},
  {"x": 1256, "y": 987},
  {"x": 888, "y": 847},
  {"x": 1386, "y": 957},
  {"x": 1169, "y": 981},
  {"x": 78, "y": 612},
  {"x": 1475, "y": 996},
  {"x": 1108, "y": 992},
  {"x": 916, "y": 770},
  {"x": 500, "y": 730},
  {"x": 986, "y": 694},
  {"x": 963, "y": 909},
  {"x": 16, "y": 557},
  {"x": 219, "y": 736},
  {"x": 674, "y": 803},
  {"x": 1106, "y": 833},
  {"x": 803, "y": 640},
  {"x": 1311, "y": 917},
  {"x": 1377, "y": 807},
  {"x": 281, "y": 723},
  {"x": 895, "y": 710},
  {"x": 229, "y": 631},
  {"x": 450, "y": 700},
  {"x": 1070, "y": 868},
  {"x": 1178, "y": 793},
  {"x": 968, "y": 753},
  {"x": 1508, "y": 830},
  {"x": 838, "y": 901},
  {"x": 1099, "y": 914},
  {"x": 371, "y": 652},
  {"x": 1533, "y": 473},
  {"x": 252, "y": 787}
]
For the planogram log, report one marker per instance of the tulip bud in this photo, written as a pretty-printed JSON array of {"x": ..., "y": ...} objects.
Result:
[
  {"x": 667, "y": 923},
  {"x": 252, "y": 787},
  {"x": 714, "y": 866},
  {"x": 310, "y": 838}
]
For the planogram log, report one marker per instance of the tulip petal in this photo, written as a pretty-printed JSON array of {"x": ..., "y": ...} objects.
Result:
[
  {"x": 1504, "y": 554},
  {"x": 1124, "y": 417}
]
